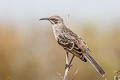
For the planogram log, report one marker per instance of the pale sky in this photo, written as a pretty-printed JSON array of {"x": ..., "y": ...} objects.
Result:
[{"x": 24, "y": 10}]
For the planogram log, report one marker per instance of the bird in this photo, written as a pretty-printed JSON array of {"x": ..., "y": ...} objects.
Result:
[{"x": 71, "y": 42}]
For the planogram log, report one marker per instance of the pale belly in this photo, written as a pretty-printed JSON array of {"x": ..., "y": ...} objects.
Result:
[{"x": 56, "y": 31}]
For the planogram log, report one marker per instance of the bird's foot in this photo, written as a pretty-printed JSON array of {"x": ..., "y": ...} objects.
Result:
[{"x": 67, "y": 66}]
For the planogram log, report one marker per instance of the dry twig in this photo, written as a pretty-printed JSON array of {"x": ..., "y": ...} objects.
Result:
[{"x": 67, "y": 68}]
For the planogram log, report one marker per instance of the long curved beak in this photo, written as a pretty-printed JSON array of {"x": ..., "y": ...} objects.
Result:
[{"x": 44, "y": 19}]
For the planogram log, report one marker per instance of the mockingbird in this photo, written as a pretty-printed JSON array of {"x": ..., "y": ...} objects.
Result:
[{"x": 71, "y": 42}]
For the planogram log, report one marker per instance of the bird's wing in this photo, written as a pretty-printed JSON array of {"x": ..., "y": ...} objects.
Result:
[
  {"x": 70, "y": 40},
  {"x": 65, "y": 42},
  {"x": 67, "y": 38},
  {"x": 76, "y": 39}
]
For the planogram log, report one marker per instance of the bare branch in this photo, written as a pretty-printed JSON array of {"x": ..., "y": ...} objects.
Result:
[{"x": 67, "y": 68}]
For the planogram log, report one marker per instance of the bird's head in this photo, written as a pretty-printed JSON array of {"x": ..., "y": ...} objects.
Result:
[{"x": 53, "y": 19}]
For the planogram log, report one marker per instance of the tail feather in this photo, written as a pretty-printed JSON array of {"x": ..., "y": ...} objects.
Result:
[{"x": 94, "y": 64}]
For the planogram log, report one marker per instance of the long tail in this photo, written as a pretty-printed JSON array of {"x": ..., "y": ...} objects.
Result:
[{"x": 94, "y": 64}]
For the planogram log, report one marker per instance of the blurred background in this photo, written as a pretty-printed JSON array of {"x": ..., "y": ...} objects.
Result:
[{"x": 28, "y": 50}]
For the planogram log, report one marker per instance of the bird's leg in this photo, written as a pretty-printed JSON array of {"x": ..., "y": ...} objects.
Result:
[
  {"x": 67, "y": 60},
  {"x": 69, "y": 64}
]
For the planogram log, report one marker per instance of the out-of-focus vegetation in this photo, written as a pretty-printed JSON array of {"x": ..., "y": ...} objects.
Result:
[{"x": 33, "y": 53}]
